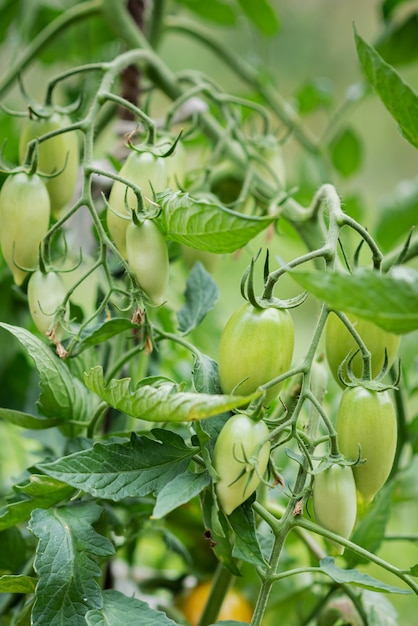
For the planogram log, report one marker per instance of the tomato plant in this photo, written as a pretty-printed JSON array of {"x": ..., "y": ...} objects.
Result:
[{"x": 256, "y": 346}]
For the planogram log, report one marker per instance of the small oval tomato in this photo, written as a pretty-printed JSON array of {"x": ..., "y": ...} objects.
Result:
[
  {"x": 146, "y": 171},
  {"x": 241, "y": 447},
  {"x": 46, "y": 293},
  {"x": 256, "y": 346},
  {"x": 53, "y": 154},
  {"x": 335, "y": 501},
  {"x": 234, "y": 607},
  {"x": 147, "y": 255},
  {"x": 339, "y": 343},
  {"x": 24, "y": 221},
  {"x": 366, "y": 425}
]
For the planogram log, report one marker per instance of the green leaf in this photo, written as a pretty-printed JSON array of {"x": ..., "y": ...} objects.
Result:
[
  {"x": 346, "y": 152},
  {"x": 399, "y": 99},
  {"x": 398, "y": 44},
  {"x": 315, "y": 94},
  {"x": 353, "y": 576},
  {"x": 161, "y": 403},
  {"x": 99, "y": 333},
  {"x": 62, "y": 396},
  {"x": 17, "y": 584},
  {"x": 133, "y": 469},
  {"x": 67, "y": 543},
  {"x": 262, "y": 15},
  {"x": 36, "y": 492},
  {"x": 205, "y": 375},
  {"x": 388, "y": 6},
  {"x": 205, "y": 225},
  {"x": 218, "y": 533},
  {"x": 26, "y": 420},
  {"x": 201, "y": 295},
  {"x": 414, "y": 571},
  {"x": 246, "y": 545},
  {"x": 214, "y": 11},
  {"x": 178, "y": 491},
  {"x": 118, "y": 609},
  {"x": 398, "y": 213},
  {"x": 388, "y": 300},
  {"x": 13, "y": 550},
  {"x": 378, "y": 609}
]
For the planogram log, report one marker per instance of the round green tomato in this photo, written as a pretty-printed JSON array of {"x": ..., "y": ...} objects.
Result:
[
  {"x": 241, "y": 447},
  {"x": 339, "y": 343},
  {"x": 366, "y": 425},
  {"x": 147, "y": 172},
  {"x": 24, "y": 221},
  {"x": 335, "y": 501},
  {"x": 55, "y": 154},
  {"x": 256, "y": 346},
  {"x": 46, "y": 292},
  {"x": 147, "y": 255}
]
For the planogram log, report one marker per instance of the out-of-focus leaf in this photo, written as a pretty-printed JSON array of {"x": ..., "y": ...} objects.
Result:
[
  {"x": 346, "y": 152},
  {"x": 388, "y": 6},
  {"x": 201, "y": 295},
  {"x": 314, "y": 95},
  {"x": 398, "y": 213},
  {"x": 213, "y": 11},
  {"x": 262, "y": 14},
  {"x": 398, "y": 45},
  {"x": 17, "y": 584}
]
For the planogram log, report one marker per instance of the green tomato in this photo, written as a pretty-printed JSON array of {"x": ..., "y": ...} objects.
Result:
[
  {"x": 209, "y": 260},
  {"x": 366, "y": 425},
  {"x": 147, "y": 255},
  {"x": 46, "y": 292},
  {"x": 335, "y": 501},
  {"x": 53, "y": 154},
  {"x": 339, "y": 343},
  {"x": 147, "y": 172},
  {"x": 256, "y": 346},
  {"x": 24, "y": 221},
  {"x": 241, "y": 447}
]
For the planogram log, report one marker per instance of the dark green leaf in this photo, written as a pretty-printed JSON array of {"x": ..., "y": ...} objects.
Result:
[
  {"x": 104, "y": 331},
  {"x": 214, "y": 11},
  {"x": 201, "y": 295},
  {"x": 26, "y": 420},
  {"x": 119, "y": 609},
  {"x": 398, "y": 213},
  {"x": 218, "y": 533},
  {"x": 178, "y": 491},
  {"x": 67, "y": 543},
  {"x": 62, "y": 396},
  {"x": 17, "y": 584},
  {"x": 115, "y": 471},
  {"x": 315, "y": 94},
  {"x": 353, "y": 576},
  {"x": 246, "y": 546},
  {"x": 262, "y": 15},
  {"x": 38, "y": 492},
  {"x": 398, "y": 45},
  {"x": 346, "y": 152},
  {"x": 205, "y": 225},
  {"x": 13, "y": 550},
  {"x": 399, "y": 99},
  {"x": 388, "y": 6},
  {"x": 205, "y": 374},
  {"x": 161, "y": 403},
  {"x": 389, "y": 300}
]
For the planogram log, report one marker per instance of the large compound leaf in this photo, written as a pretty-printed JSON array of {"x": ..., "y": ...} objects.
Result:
[
  {"x": 389, "y": 300},
  {"x": 160, "y": 403},
  {"x": 133, "y": 469},
  {"x": 206, "y": 225},
  {"x": 118, "y": 610},
  {"x": 62, "y": 395},
  {"x": 399, "y": 99},
  {"x": 67, "y": 543}
]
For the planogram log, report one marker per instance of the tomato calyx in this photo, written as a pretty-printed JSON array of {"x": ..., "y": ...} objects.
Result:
[{"x": 349, "y": 379}]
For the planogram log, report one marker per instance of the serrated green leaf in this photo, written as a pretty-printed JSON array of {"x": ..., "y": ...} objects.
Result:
[
  {"x": 205, "y": 225},
  {"x": 354, "y": 577},
  {"x": 119, "y": 609},
  {"x": 62, "y": 396},
  {"x": 201, "y": 295},
  {"x": 346, "y": 152},
  {"x": 26, "y": 420},
  {"x": 246, "y": 545},
  {"x": 17, "y": 584},
  {"x": 178, "y": 491},
  {"x": 388, "y": 300},
  {"x": 67, "y": 543},
  {"x": 262, "y": 15},
  {"x": 399, "y": 99},
  {"x": 115, "y": 471},
  {"x": 34, "y": 493},
  {"x": 162, "y": 403}
]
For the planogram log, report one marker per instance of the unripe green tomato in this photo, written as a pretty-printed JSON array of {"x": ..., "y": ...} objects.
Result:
[
  {"x": 238, "y": 441},
  {"x": 339, "y": 343},
  {"x": 144, "y": 170},
  {"x": 53, "y": 154},
  {"x": 24, "y": 221},
  {"x": 209, "y": 260},
  {"x": 256, "y": 346},
  {"x": 147, "y": 255},
  {"x": 46, "y": 293},
  {"x": 335, "y": 501},
  {"x": 366, "y": 424}
]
